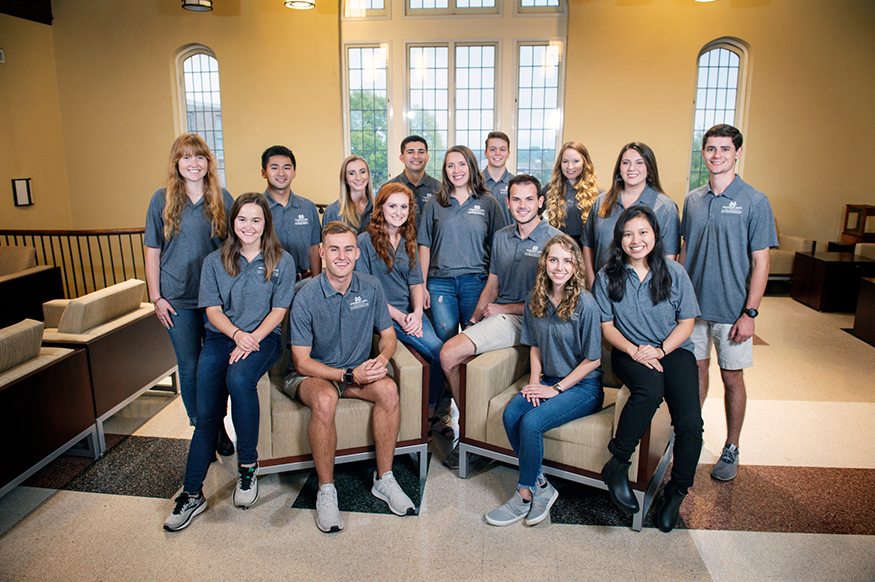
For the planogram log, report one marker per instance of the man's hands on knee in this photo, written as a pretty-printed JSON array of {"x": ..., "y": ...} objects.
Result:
[{"x": 370, "y": 371}]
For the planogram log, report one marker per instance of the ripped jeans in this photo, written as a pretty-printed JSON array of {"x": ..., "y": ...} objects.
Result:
[{"x": 453, "y": 300}]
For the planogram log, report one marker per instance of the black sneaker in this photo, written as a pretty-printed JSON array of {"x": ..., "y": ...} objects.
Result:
[{"x": 187, "y": 507}]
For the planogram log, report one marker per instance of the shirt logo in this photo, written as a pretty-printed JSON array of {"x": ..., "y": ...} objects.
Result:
[
  {"x": 477, "y": 210},
  {"x": 533, "y": 252},
  {"x": 426, "y": 197},
  {"x": 731, "y": 208},
  {"x": 302, "y": 220},
  {"x": 358, "y": 303}
]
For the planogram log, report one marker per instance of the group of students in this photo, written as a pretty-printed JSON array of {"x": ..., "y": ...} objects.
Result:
[{"x": 472, "y": 253}]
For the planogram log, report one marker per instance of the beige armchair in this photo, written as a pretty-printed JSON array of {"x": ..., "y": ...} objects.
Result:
[
  {"x": 576, "y": 451},
  {"x": 781, "y": 259},
  {"x": 25, "y": 286},
  {"x": 283, "y": 443}
]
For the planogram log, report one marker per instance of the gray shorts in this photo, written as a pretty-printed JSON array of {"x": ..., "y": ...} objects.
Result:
[
  {"x": 496, "y": 332},
  {"x": 730, "y": 355},
  {"x": 293, "y": 380}
]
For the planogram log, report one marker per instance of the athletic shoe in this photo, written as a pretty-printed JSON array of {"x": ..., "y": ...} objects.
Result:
[
  {"x": 511, "y": 512},
  {"x": 327, "y": 514},
  {"x": 187, "y": 507},
  {"x": 451, "y": 461},
  {"x": 545, "y": 497},
  {"x": 388, "y": 490},
  {"x": 727, "y": 467},
  {"x": 247, "y": 487}
]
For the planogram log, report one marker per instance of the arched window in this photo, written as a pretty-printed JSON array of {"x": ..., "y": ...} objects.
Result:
[
  {"x": 722, "y": 71},
  {"x": 200, "y": 101}
]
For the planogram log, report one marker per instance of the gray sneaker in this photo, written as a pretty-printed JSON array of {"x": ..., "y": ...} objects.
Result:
[
  {"x": 327, "y": 513},
  {"x": 726, "y": 468},
  {"x": 511, "y": 512},
  {"x": 451, "y": 461},
  {"x": 187, "y": 507},
  {"x": 387, "y": 489},
  {"x": 246, "y": 492},
  {"x": 543, "y": 500}
]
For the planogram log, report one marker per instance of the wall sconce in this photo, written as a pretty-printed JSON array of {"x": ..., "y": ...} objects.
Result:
[
  {"x": 300, "y": 4},
  {"x": 198, "y": 5}
]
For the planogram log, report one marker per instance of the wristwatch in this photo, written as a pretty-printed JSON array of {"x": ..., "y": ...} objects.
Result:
[
  {"x": 557, "y": 387},
  {"x": 751, "y": 312},
  {"x": 348, "y": 378}
]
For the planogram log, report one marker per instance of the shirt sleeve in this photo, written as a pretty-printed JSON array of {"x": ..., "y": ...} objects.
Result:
[
  {"x": 669, "y": 225},
  {"x": 301, "y": 323},
  {"x": 590, "y": 328},
  {"x": 600, "y": 294},
  {"x": 426, "y": 225},
  {"x": 331, "y": 213},
  {"x": 382, "y": 320},
  {"x": 587, "y": 237},
  {"x": 761, "y": 234},
  {"x": 527, "y": 336},
  {"x": 284, "y": 287},
  {"x": 315, "y": 230},
  {"x": 155, "y": 221},
  {"x": 209, "y": 295},
  {"x": 363, "y": 263},
  {"x": 685, "y": 223}
]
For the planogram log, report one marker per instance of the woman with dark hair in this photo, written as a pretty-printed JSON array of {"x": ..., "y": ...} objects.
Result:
[
  {"x": 246, "y": 288},
  {"x": 635, "y": 182},
  {"x": 186, "y": 221},
  {"x": 388, "y": 252},
  {"x": 455, "y": 238},
  {"x": 647, "y": 309},
  {"x": 571, "y": 190},
  {"x": 561, "y": 324},
  {"x": 356, "y": 201}
]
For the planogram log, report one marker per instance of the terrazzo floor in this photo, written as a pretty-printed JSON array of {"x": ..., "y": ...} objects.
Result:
[{"x": 801, "y": 508}]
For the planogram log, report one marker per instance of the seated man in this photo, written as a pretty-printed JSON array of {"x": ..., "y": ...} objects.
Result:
[
  {"x": 346, "y": 307},
  {"x": 512, "y": 270}
]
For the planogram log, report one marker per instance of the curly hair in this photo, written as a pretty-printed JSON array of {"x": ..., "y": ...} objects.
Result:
[
  {"x": 271, "y": 250},
  {"x": 348, "y": 212},
  {"x": 586, "y": 186},
  {"x": 575, "y": 285},
  {"x": 617, "y": 183},
  {"x": 190, "y": 144},
  {"x": 475, "y": 178},
  {"x": 615, "y": 268},
  {"x": 379, "y": 233}
]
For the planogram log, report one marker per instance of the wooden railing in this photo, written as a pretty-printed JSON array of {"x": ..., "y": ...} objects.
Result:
[{"x": 89, "y": 259}]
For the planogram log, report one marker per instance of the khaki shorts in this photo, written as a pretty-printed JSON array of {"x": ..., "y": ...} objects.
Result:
[
  {"x": 730, "y": 355},
  {"x": 496, "y": 332},
  {"x": 293, "y": 381}
]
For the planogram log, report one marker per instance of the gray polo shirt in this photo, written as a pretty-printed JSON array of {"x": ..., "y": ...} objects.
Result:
[
  {"x": 345, "y": 323},
  {"x": 460, "y": 236},
  {"x": 499, "y": 192},
  {"x": 422, "y": 192},
  {"x": 182, "y": 257},
  {"x": 565, "y": 344},
  {"x": 721, "y": 232},
  {"x": 396, "y": 283},
  {"x": 333, "y": 213},
  {"x": 598, "y": 232},
  {"x": 573, "y": 218},
  {"x": 637, "y": 318},
  {"x": 247, "y": 298},
  {"x": 297, "y": 226},
  {"x": 515, "y": 261}
]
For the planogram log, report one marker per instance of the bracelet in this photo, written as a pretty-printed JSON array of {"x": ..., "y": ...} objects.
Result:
[{"x": 235, "y": 333}]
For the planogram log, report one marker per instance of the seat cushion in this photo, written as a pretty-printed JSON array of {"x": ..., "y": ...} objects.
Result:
[
  {"x": 781, "y": 262},
  {"x": 20, "y": 343},
  {"x": 15, "y": 259},
  {"x": 101, "y": 306}
]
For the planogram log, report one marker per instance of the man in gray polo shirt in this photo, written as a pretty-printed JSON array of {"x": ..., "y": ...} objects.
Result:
[
  {"x": 295, "y": 218},
  {"x": 346, "y": 308},
  {"x": 727, "y": 229},
  {"x": 495, "y": 176},
  {"x": 513, "y": 266},
  {"x": 414, "y": 156}
]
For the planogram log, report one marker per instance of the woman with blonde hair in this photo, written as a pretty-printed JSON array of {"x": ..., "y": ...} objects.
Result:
[
  {"x": 572, "y": 189},
  {"x": 356, "y": 201},
  {"x": 186, "y": 221},
  {"x": 561, "y": 324}
]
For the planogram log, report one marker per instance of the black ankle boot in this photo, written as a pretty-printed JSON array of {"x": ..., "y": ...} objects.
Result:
[
  {"x": 224, "y": 446},
  {"x": 615, "y": 474},
  {"x": 667, "y": 516}
]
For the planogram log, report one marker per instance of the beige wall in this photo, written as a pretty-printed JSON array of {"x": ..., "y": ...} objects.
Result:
[
  {"x": 31, "y": 145},
  {"x": 631, "y": 77}
]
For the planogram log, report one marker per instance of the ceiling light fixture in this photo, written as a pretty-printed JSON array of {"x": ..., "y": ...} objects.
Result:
[
  {"x": 300, "y": 4},
  {"x": 198, "y": 5}
]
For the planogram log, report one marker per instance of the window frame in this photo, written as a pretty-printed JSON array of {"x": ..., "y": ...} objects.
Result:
[
  {"x": 560, "y": 10},
  {"x": 384, "y": 13},
  {"x": 452, "y": 10}
]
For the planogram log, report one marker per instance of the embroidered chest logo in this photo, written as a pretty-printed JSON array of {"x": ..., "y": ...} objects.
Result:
[
  {"x": 731, "y": 208},
  {"x": 477, "y": 210},
  {"x": 535, "y": 251},
  {"x": 358, "y": 303},
  {"x": 426, "y": 197},
  {"x": 302, "y": 220}
]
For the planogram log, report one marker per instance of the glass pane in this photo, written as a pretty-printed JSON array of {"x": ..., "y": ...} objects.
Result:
[
  {"x": 368, "y": 109},
  {"x": 203, "y": 104},
  {"x": 475, "y": 96},
  {"x": 537, "y": 116},
  {"x": 427, "y": 109}
]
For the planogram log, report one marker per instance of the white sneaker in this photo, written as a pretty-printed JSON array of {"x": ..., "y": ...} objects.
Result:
[
  {"x": 511, "y": 512},
  {"x": 387, "y": 489},
  {"x": 187, "y": 507},
  {"x": 327, "y": 513},
  {"x": 246, "y": 492},
  {"x": 542, "y": 501}
]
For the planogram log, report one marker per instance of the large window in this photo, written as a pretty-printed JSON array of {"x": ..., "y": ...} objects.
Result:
[
  {"x": 538, "y": 108},
  {"x": 719, "y": 95},
  {"x": 202, "y": 102},
  {"x": 368, "y": 124},
  {"x": 447, "y": 7}
]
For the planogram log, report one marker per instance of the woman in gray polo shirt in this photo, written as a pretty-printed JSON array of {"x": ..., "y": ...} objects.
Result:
[
  {"x": 561, "y": 324},
  {"x": 647, "y": 308},
  {"x": 246, "y": 288},
  {"x": 571, "y": 190},
  {"x": 356, "y": 201},
  {"x": 186, "y": 221}
]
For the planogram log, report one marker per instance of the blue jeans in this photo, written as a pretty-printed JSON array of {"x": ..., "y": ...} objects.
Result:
[
  {"x": 217, "y": 379},
  {"x": 453, "y": 300},
  {"x": 526, "y": 424},
  {"x": 187, "y": 337},
  {"x": 429, "y": 347}
]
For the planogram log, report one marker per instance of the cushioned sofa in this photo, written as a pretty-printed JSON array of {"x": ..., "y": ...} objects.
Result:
[
  {"x": 128, "y": 349},
  {"x": 45, "y": 402},
  {"x": 781, "y": 258},
  {"x": 24, "y": 286},
  {"x": 576, "y": 451}
]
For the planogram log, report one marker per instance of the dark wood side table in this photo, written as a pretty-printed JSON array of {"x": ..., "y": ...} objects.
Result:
[
  {"x": 864, "y": 321},
  {"x": 829, "y": 281}
]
